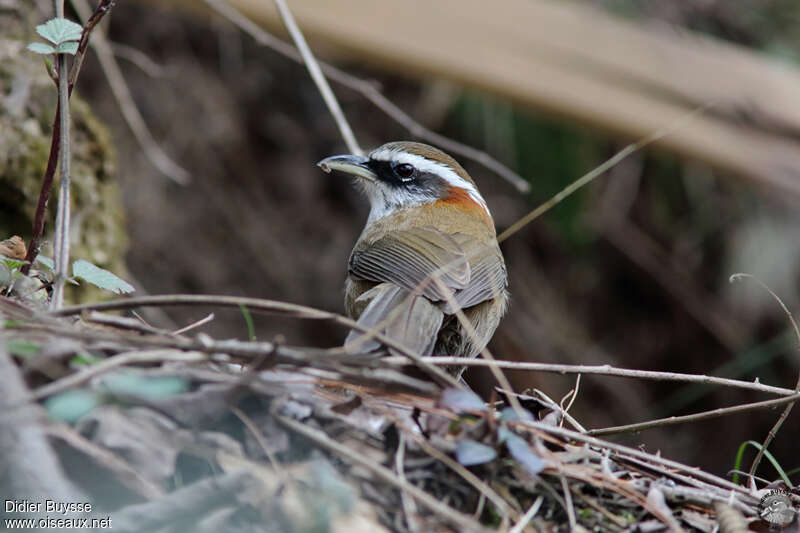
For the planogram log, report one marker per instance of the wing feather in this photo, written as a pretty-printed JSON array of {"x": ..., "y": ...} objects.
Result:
[{"x": 471, "y": 270}]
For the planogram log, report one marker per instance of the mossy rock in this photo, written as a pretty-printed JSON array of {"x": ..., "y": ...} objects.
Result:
[{"x": 27, "y": 108}]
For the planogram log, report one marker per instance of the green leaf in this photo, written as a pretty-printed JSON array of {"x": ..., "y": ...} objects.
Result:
[
  {"x": 470, "y": 452},
  {"x": 147, "y": 387},
  {"x": 248, "y": 319},
  {"x": 22, "y": 348},
  {"x": 67, "y": 48},
  {"x": 771, "y": 458},
  {"x": 41, "y": 48},
  {"x": 46, "y": 262},
  {"x": 59, "y": 31},
  {"x": 71, "y": 405},
  {"x": 84, "y": 359},
  {"x": 100, "y": 277},
  {"x": 12, "y": 264}
]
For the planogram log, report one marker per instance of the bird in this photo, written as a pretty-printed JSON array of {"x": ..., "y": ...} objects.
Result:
[{"x": 427, "y": 253}]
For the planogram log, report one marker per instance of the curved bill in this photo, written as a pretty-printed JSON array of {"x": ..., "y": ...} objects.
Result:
[{"x": 355, "y": 165}]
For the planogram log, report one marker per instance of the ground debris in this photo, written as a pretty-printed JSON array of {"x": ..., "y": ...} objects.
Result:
[{"x": 181, "y": 431}]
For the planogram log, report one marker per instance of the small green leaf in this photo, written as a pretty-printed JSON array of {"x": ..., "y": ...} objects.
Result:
[
  {"x": 100, "y": 277},
  {"x": 67, "y": 48},
  {"x": 71, "y": 405},
  {"x": 22, "y": 348},
  {"x": 12, "y": 264},
  {"x": 46, "y": 262},
  {"x": 147, "y": 387},
  {"x": 41, "y": 48},
  {"x": 84, "y": 359},
  {"x": 59, "y": 31},
  {"x": 470, "y": 452}
]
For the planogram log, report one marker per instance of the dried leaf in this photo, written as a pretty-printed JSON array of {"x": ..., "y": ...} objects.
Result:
[
  {"x": 521, "y": 451},
  {"x": 470, "y": 452},
  {"x": 459, "y": 400}
]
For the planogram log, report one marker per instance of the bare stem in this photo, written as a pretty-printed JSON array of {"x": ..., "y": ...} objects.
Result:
[
  {"x": 714, "y": 413},
  {"x": 319, "y": 78},
  {"x": 62, "y": 216},
  {"x": 47, "y": 182},
  {"x": 603, "y": 370}
]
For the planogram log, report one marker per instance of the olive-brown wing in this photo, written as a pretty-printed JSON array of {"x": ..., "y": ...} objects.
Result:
[{"x": 412, "y": 259}]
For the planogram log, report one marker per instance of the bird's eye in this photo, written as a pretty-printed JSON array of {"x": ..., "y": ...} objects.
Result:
[{"x": 404, "y": 171}]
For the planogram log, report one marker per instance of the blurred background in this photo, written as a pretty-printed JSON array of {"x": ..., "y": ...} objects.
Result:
[{"x": 631, "y": 271}]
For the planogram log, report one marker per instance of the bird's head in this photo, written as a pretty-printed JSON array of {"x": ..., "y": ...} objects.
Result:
[{"x": 401, "y": 175}]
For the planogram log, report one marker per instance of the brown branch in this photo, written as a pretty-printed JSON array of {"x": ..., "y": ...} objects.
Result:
[
  {"x": 603, "y": 370},
  {"x": 100, "y": 11},
  {"x": 52, "y": 161},
  {"x": 714, "y": 413},
  {"x": 258, "y": 304}
]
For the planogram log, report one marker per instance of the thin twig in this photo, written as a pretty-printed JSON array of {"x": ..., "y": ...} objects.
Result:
[
  {"x": 785, "y": 414},
  {"x": 423, "y": 498},
  {"x": 571, "y": 395},
  {"x": 319, "y": 78},
  {"x": 372, "y": 93},
  {"x": 500, "y": 504},
  {"x": 193, "y": 325},
  {"x": 569, "y": 506},
  {"x": 409, "y": 506},
  {"x": 100, "y": 11},
  {"x": 599, "y": 170},
  {"x": 623, "y": 450},
  {"x": 252, "y": 427},
  {"x": 714, "y": 413},
  {"x": 258, "y": 304},
  {"x": 47, "y": 182},
  {"x": 78, "y": 378},
  {"x": 528, "y": 516},
  {"x": 603, "y": 370}
]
